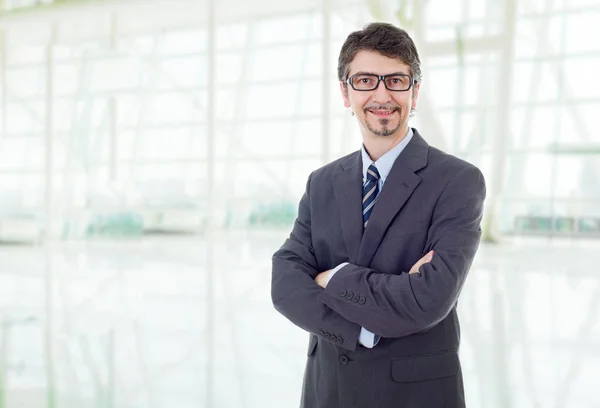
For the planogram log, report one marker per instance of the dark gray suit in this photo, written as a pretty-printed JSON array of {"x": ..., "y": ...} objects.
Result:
[{"x": 430, "y": 200}]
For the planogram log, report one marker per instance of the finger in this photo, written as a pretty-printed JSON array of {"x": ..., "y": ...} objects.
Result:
[{"x": 427, "y": 257}]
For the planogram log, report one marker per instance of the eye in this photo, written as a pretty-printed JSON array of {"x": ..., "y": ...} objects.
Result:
[{"x": 364, "y": 81}]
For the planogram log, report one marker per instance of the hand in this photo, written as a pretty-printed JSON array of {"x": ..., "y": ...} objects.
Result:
[
  {"x": 426, "y": 259},
  {"x": 322, "y": 278}
]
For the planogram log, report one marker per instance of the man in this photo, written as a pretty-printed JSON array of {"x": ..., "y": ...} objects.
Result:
[{"x": 384, "y": 329}]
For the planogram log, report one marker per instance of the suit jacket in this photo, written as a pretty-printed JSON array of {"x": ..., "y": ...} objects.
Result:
[{"x": 430, "y": 200}]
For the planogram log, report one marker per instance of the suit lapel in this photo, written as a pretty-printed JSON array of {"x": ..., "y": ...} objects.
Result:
[
  {"x": 398, "y": 187},
  {"x": 347, "y": 188}
]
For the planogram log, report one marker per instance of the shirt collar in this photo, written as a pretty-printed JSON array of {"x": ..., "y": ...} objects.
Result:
[{"x": 385, "y": 162}]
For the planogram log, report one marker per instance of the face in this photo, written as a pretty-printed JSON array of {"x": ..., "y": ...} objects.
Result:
[{"x": 380, "y": 112}]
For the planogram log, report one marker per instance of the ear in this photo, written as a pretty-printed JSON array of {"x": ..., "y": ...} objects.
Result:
[
  {"x": 344, "y": 90},
  {"x": 415, "y": 95}
]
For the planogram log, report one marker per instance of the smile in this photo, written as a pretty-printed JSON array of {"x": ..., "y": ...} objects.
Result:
[{"x": 382, "y": 113}]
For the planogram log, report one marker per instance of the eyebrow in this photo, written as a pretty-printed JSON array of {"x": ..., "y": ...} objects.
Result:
[{"x": 373, "y": 73}]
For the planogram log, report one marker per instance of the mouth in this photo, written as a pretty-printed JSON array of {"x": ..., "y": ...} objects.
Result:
[{"x": 380, "y": 113}]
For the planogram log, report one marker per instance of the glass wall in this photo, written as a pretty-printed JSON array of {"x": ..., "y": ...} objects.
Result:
[{"x": 134, "y": 119}]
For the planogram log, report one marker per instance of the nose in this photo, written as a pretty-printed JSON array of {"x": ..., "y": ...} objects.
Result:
[{"x": 381, "y": 93}]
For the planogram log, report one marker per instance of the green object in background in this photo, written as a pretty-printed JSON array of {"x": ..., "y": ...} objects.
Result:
[
  {"x": 123, "y": 224},
  {"x": 561, "y": 225},
  {"x": 589, "y": 225},
  {"x": 564, "y": 224},
  {"x": 273, "y": 214},
  {"x": 533, "y": 224}
]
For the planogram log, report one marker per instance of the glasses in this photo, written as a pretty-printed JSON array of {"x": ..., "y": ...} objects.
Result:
[{"x": 370, "y": 82}]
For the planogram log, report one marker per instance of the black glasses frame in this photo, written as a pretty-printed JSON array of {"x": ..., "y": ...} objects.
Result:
[{"x": 380, "y": 78}]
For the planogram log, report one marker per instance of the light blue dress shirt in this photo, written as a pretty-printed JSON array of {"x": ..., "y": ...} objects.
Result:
[{"x": 384, "y": 165}]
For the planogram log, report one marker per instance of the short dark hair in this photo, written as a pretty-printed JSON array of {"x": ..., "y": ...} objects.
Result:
[{"x": 385, "y": 39}]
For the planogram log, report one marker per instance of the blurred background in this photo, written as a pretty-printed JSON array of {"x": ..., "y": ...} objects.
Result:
[{"x": 152, "y": 155}]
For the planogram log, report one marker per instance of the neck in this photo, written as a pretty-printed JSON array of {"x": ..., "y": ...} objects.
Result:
[{"x": 377, "y": 146}]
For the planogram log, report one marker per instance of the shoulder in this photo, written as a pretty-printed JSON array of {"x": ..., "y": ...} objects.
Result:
[
  {"x": 446, "y": 172},
  {"x": 328, "y": 171},
  {"x": 440, "y": 162}
]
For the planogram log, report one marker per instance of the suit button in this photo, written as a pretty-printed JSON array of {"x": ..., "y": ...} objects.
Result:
[
  {"x": 344, "y": 359},
  {"x": 355, "y": 298},
  {"x": 343, "y": 293},
  {"x": 349, "y": 295},
  {"x": 322, "y": 333},
  {"x": 340, "y": 340},
  {"x": 328, "y": 336},
  {"x": 362, "y": 300}
]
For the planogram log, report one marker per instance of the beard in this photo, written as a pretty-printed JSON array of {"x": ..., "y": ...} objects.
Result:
[{"x": 384, "y": 128}]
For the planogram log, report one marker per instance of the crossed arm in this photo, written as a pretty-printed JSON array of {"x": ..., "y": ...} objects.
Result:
[
  {"x": 323, "y": 278},
  {"x": 397, "y": 304},
  {"x": 294, "y": 292}
]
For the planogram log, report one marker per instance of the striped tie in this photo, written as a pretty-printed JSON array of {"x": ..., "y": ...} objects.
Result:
[{"x": 370, "y": 191}]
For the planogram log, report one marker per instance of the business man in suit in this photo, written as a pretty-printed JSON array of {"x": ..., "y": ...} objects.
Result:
[{"x": 381, "y": 247}]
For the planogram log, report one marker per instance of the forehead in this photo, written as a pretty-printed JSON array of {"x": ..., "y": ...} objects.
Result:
[{"x": 371, "y": 61}]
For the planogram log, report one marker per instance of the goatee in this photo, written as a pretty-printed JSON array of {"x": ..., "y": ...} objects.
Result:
[{"x": 384, "y": 130}]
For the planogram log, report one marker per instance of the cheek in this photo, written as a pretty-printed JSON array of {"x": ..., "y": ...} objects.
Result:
[
  {"x": 353, "y": 106},
  {"x": 405, "y": 103},
  {"x": 361, "y": 102}
]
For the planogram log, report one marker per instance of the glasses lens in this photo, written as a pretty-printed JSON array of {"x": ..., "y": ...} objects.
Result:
[
  {"x": 364, "y": 82},
  {"x": 398, "y": 82}
]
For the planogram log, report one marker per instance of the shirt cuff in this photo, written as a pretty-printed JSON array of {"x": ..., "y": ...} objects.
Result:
[
  {"x": 334, "y": 271},
  {"x": 368, "y": 339}
]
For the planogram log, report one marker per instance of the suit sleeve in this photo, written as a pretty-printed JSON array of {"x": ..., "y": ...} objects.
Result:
[
  {"x": 401, "y": 304},
  {"x": 294, "y": 292}
]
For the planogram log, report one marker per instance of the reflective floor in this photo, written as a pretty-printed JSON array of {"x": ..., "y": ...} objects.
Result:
[{"x": 129, "y": 323}]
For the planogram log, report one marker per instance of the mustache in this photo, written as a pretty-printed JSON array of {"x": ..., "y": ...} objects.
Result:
[{"x": 387, "y": 106}]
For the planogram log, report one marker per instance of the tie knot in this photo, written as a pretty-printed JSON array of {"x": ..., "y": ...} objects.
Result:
[{"x": 372, "y": 173}]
